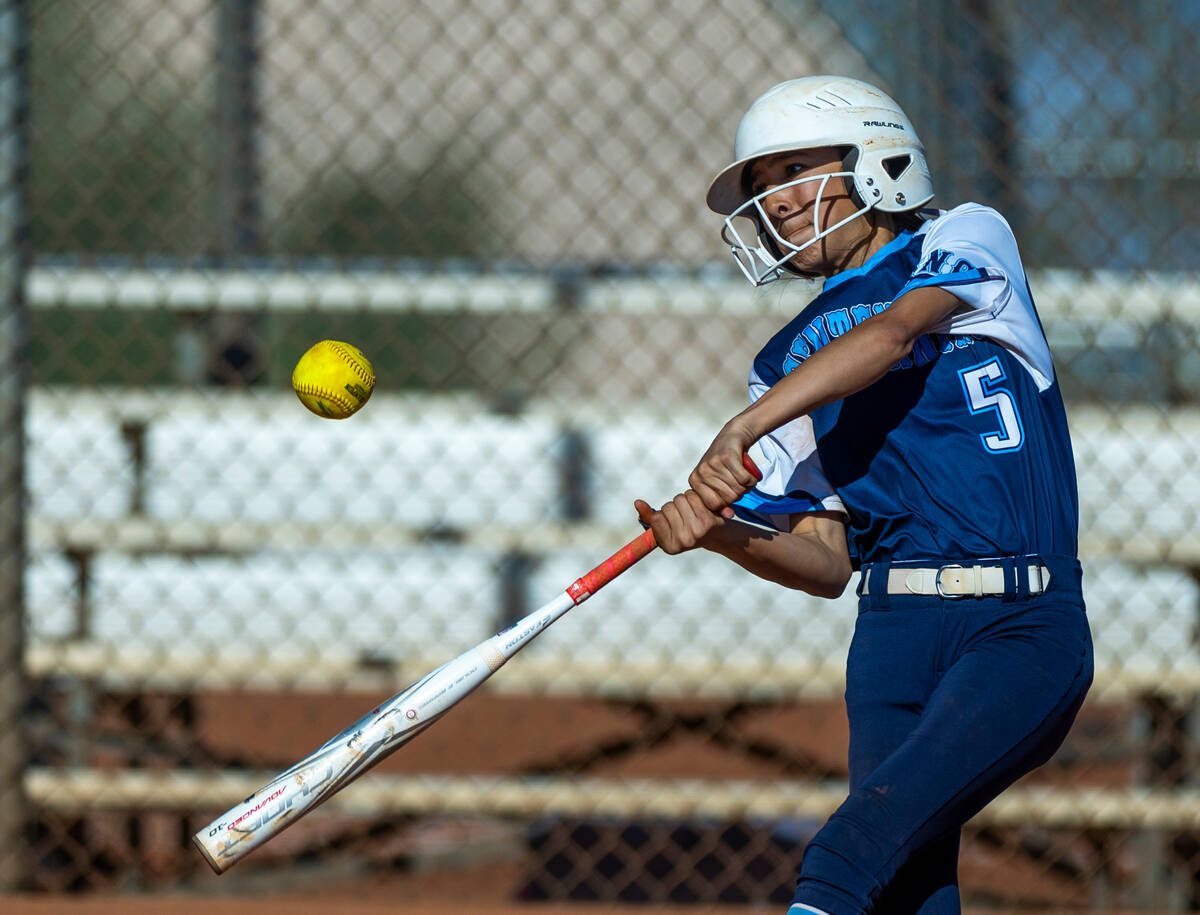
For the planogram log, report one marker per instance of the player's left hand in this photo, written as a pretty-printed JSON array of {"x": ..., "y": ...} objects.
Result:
[
  {"x": 682, "y": 524},
  {"x": 722, "y": 476}
]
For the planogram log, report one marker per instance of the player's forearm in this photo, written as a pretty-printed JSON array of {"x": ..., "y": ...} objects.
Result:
[
  {"x": 842, "y": 367},
  {"x": 797, "y": 561}
]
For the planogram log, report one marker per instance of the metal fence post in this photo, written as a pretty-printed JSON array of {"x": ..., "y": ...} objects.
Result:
[
  {"x": 13, "y": 258},
  {"x": 238, "y": 228},
  {"x": 233, "y": 340}
]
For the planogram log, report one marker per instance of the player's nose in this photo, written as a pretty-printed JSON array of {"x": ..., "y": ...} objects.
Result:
[{"x": 779, "y": 204}]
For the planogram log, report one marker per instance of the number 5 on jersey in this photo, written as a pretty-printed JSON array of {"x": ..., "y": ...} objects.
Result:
[{"x": 981, "y": 387}]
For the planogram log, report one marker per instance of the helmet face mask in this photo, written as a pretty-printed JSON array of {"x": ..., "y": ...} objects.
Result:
[
  {"x": 772, "y": 255},
  {"x": 884, "y": 168}
]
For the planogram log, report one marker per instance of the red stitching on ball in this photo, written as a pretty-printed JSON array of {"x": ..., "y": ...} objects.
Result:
[{"x": 352, "y": 361}]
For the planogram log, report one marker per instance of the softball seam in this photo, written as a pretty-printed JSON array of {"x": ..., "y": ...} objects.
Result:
[
  {"x": 352, "y": 361},
  {"x": 327, "y": 394}
]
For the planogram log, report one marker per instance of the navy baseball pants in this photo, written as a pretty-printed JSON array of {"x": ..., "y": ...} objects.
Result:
[{"x": 950, "y": 701}]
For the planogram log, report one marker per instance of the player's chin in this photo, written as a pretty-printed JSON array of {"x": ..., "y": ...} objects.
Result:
[{"x": 807, "y": 262}]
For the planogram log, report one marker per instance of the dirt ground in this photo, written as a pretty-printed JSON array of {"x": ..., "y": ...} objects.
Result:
[
  {"x": 158, "y": 905},
  {"x": 173, "y": 905}
]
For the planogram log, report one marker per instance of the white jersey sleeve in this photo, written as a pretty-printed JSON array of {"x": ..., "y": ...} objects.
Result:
[
  {"x": 970, "y": 251},
  {"x": 793, "y": 479}
]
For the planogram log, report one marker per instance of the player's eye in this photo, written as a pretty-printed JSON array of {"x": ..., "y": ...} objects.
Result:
[{"x": 785, "y": 171}]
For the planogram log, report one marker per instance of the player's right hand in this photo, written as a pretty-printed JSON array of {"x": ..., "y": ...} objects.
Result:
[
  {"x": 680, "y": 525},
  {"x": 723, "y": 474}
]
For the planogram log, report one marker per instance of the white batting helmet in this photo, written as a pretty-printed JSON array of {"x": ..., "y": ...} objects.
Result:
[{"x": 885, "y": 167}]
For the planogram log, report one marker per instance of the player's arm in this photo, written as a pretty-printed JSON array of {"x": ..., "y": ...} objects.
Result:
[
  {"x": 845, "y": 365},
  {"x": 811, "y": 557}
]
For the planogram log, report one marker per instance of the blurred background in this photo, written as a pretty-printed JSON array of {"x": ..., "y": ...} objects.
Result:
[{"x": 501, "y": 202}]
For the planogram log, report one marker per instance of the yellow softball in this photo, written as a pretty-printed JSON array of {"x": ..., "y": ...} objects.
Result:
[{"x": 333, "y": 379}]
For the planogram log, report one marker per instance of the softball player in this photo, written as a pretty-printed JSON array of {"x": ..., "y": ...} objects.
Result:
[{"x": 908, "y": 425}]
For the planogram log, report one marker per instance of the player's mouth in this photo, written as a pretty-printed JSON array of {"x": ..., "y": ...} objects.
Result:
[{"x": 794, "y": 230}]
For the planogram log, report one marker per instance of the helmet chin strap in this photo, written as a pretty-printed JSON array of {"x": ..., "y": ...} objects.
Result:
[{"x": 849, "y": 163}]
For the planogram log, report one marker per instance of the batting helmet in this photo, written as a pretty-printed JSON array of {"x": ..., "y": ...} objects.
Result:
[{"x": 885, "y": 167}]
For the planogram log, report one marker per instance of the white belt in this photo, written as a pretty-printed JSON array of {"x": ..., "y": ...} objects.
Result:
[{"x": 959, "y": 581}]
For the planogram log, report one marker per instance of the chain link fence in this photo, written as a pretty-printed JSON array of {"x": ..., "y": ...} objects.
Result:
[{"x": 501, "y": 202}]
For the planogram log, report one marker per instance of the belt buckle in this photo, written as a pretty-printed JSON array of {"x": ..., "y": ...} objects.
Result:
[
  {"x": 937, "y": 581},
  {"x": 1043, "y": 576}
]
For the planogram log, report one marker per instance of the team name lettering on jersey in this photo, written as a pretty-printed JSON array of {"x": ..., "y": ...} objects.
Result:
[
  {"x": 939, "y": 261},
  {"x": 823, "y": 328}
]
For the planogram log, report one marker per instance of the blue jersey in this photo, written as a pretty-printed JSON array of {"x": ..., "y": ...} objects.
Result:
[{"x": 962, "y": 449}]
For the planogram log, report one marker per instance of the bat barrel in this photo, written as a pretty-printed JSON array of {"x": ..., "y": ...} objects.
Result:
[{"x": 338, "y": 762}]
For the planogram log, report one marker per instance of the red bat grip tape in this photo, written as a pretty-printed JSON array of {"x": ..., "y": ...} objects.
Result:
[
  {"x": 587, "y": 585},
  {"x": 614, "y": 565}
]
